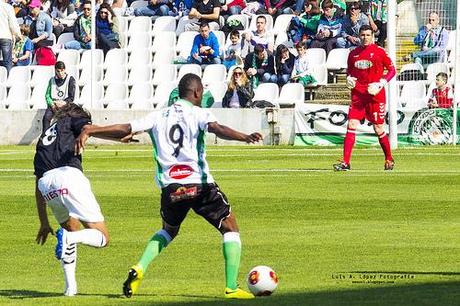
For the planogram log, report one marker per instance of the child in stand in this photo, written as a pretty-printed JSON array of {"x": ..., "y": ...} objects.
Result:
[
  {"x": 233, "y": 50},
  {"x": 301, "y": 72},
  {"x": 23, "y": 48},
  {"x": 441, "y": 96}
]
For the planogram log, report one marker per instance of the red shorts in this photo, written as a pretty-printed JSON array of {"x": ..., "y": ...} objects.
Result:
[{"x": 367, "y": 106}]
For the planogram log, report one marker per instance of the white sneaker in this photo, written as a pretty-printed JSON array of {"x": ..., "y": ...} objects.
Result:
[{"x": 70, "y": 291}]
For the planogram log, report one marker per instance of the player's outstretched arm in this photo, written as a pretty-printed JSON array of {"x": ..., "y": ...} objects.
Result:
[
  {"x": 118, "y": 132},
  {"x": 45, "y": 228},
  {"x": 227, "y": 133}
]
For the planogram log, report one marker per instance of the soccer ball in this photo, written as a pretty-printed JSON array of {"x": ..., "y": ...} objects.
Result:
[{"x": 262, "y": 280}]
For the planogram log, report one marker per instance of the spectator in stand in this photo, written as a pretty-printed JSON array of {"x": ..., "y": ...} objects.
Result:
[
  {"x": 232, "y": 7},
  {"x": 301, "y": 72},
  {"x": 82, "y": 30},
  {"x": 329, "y": 28},
  {"x": 64, "y": 15},
  {"x": 239, "y": 92},
  {"x": 284, "y": 64},
  {"x": 276, "y": 8},
  {"x": 232, "y": 55},
  {"x": 60, "y": 91},
  {"x": 202, "y": 11},
  {"x": 378, "y": 16},
  {"x": 432, "y": 39},
  {"x": 9, "y": 28},
  {"x": 260, "y": 36},
  {"x": 351, "y": 24},
  {"x": 107, "y": 29},
  {"x": 205, "y": 48},
  {"x": 260, "y": 66},
  {"x": 181, "y": 8},
  {"x": 41, "y": 28},
  {"x": 305, "y": 26},
  {"x": 23, "y": 48},
  {"x": 154, "y": 8},
  {"x": 442, "y": 96}
]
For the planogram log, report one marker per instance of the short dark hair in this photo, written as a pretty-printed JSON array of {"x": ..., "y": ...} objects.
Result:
[
  {"x": 235, "y": 33},
  {"x": 443, "y": 76},
  {"x": 301, "y": 44},
  {"x": 259, "y": 49},
  {"x": 59, "y": 65},
  {"x": 327, "y": 4},
  {"x": 204, "y": 24},
  {"x": 72, "y": 110},
  {"x": 366, "y": 27},
  {"x": 262, "y": 17},
  {"x": 187, "y": 84}
]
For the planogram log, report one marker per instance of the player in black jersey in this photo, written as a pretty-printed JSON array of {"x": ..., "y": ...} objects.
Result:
[{"x": 61, "y": 184}]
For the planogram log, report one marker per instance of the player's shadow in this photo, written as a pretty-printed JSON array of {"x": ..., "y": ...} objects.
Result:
[{"x": 25, "y": 294}]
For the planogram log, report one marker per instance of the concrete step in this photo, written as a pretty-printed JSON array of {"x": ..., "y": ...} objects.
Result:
[{"x": 329, "y": 101}]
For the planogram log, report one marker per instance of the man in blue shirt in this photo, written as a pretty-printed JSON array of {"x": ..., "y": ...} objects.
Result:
[{"x": 205, "y": 49}]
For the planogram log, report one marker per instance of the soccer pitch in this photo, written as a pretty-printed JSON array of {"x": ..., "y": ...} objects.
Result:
[{"x": 365, "y": 237}]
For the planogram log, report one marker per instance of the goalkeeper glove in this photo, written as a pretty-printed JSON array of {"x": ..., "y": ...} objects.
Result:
[
  {"x": 375, "y": 88},
  {"x": 351, "y": 82}
]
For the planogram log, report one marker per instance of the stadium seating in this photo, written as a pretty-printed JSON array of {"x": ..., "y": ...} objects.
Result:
[
  {"x": 138, "y": 4},
  {"x": 140, "y": 96},
  {"x": 98, "y": 94},
  {"x": 164, "y": 24},
  {"x": 185, "y": 43},
  {"x": 41, "y": 74},
  {"x": 218, "y": 90},
  {"x": 433, "y": 69},
  {"x": 140, "y": 24},
  {"x": 3, "y": 75},
  {"x": 64, "y": 38},
  {"x": 451, "y": 42},
  {"x": 115, "y": 74},
  {"x": 316, "y": 56},
  {"x": 291, "y": 94},
  {"x": 2, "y": 96},
  {"x": 189, "y": 68},
  {"x": 18, "y": 75},
  {"x": 117, "y": 105},
  {"x": 162, "y": 57},
  {"x": 162, "y": 93},
  {"x": 164, "y": 73},
  {"x": 413, "y": 96},
  {"x": 282, "y": 23},
  {"x": 266, "y": 91},
  {"x": 140, "y": 74},
  {"x": 17, "y": 93},
  {"x": 38, "y": 98},
  {"x": 69, "y": 57},
  {"x": 214, "y": 73},
  {"x": 142, "y": 40},
  {"x": 116, "y": 57},
  {"x": 164, "y": 40},
  {"x": 319, "y": 72},
  {"x": 140, "y": 56},
  {"x": 269, "y": 25},
  {"x": 337, "y": 59}
]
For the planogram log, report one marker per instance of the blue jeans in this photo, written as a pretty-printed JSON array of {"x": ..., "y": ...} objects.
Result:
[
  {"x": 299, "y": 6},
  {"x": 149, "y": 11},
  {"x": 205, "y": 61},
  {"x": 269, "y": 78},
  {"x": 427, "y": 56},
  {"x": 6, "y": 48},
  {"x": 283, "y": 79},
  {"x": 76, "y": 45},
  {"x": 344, "y": 43}
]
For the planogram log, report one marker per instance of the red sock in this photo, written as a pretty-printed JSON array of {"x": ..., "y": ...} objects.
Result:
[
  {"x": 348, "y": 144},
  {"x": 385, "y": 144}
]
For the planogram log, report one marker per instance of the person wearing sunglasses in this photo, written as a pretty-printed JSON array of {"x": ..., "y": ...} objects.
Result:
[
  {"x": 239, "y": 91},
  {"x": 432, "y": 39},
  {"x": 107, "y": 29},
  {"x": 352, "y": 22},
  {"x": 81, "y": 30}
]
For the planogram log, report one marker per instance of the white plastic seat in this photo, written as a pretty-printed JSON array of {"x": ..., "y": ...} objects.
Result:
[
  {"x": 164, "y": 24},
  {"x": 2, "y": 95},
  {"x": 87, "y": 74},
  {"x": 316, "y": 56},
  {"x": 115, "y": 74},
  {"x": 114, "y": 92},
  {"x": 221, "y": 40},
  {"x": 164, "y": 40},
  {"x": 292, "y": 94},
  {"x": 433, "y": 69},
  {"x": 451, "y": 42},
  {"x": 214, "y": 73},
  {"x": 140, "y": 56},
  {"x": 138, "y": 3},
  {"x": 163, "y": 57},
  {"x": 41, "y": 74},
  {"x": 118, "y": 105},
  {"x": 282, "y": 39},
  {"x": 140, "y": 24},
  {"x": 320, "y": 74},
  {"x": 162, "y": 93},
  {"x": 412, "y": 66},
  {"x": 19, "y": 105},
  {"x": 72, "y": 71},
  {"x": 337, "y": 59},
  {"x": 412, "y": 90},
  {"x": 140, "y": 74},
  {"x": 218, "y": 90},
  {"x": 185, "y": 43},
  {"x": 38, "y": 98},
  {"x": 141, "y": 40},
  {"x": 244, "y": 19},
  {"x": 140, "y": 96},
  {"x": 116, "y": 57},
  {"x": 64, "y": 38},
  {"x": 282, "y": 23},
  {"x": 18, "y": 75},
  {"x": 164, "y": 74},
  {"x": 268, "y": 26},
  {"x": 98, "y": 94},
  {"x": 69, "y": 57},
  {"x": 189, "y": 68},
  {"x": 266, "y": 91},
  {"x": 3, "y": 75},
  {"x": 88, "y": 56},
  {"x": 18, "y": 93}
]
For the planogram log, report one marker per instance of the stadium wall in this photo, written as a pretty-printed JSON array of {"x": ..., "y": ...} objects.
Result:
[{"x": 24, "y": 127}]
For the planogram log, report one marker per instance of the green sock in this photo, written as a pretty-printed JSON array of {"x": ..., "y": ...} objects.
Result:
[
  {"x": 232, "y": 255},
  {"x": 155, "y": 245}
]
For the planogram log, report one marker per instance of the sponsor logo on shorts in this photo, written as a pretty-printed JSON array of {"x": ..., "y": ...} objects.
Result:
[
  {"x": 56, "y": 193},
  {"x": 363, "y": 64},
  {"x": 184, "y": 193},
  {"x": 179, "y": 172}
]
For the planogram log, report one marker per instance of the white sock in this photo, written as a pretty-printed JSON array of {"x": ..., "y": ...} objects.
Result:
[
  {"x": 88, "y": 236},
  {"x": 69, "y": 265}
]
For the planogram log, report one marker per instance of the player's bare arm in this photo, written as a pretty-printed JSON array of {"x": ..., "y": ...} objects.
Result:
[
  {"x": 45, "y": 228},
  {"x": 227, "y": 133},
  {"x": 118, "y": 132}
]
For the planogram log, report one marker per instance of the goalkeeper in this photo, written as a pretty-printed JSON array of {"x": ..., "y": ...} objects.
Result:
[{"x": 366, "y": 79}]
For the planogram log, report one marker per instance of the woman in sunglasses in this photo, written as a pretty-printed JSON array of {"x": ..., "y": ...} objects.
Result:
[
  {"x": 239, "y": 92},
  {"x": 107, "y": 32}
]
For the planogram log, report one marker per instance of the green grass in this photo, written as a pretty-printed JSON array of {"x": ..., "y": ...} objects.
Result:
[{"x": 316, "y": 228}]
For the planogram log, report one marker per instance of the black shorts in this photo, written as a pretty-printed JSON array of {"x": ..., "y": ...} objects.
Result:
[{"x": 206, "y": 200}]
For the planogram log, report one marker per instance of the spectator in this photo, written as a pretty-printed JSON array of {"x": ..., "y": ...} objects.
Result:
[
  {"x": 23, "y": 48},
  {"x": 41, "y": 28},
  {"x": 232, "y": 54},
  {"x": 378, "y": 16},
  {"x": 441, "y": 96},
  {"x": 305, "y": 26},
  {"x": 154, "y": 8},
  {"x": 278, "y": 7},
  {"x": 205, "y": 49},
  {"x": 260, "y": 66},
  {"x": 9, "y": 28},
  {"x": 64, "y": 14},
  {"x": 239, "y": 92},
  {"x": 232, "y": 7},
  {"x": 107, "y": 29},
  {"x": 60, "y": 91},
  {"x": 432, "y": 40},
  {"x": 202, "y": 11},
  {"x": 181, "y": 8},
  {"x": 260, "y": 36},
  {"x": 351, "y": 24},
  {"x": 301, "y": 72},
  {"x": 329, "y": 28},
  {"x": 82, "y": 30},
  {"x": 284, "y": 64}
]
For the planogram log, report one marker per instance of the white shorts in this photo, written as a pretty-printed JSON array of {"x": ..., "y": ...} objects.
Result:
[{"x": 68, "y": 193}]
